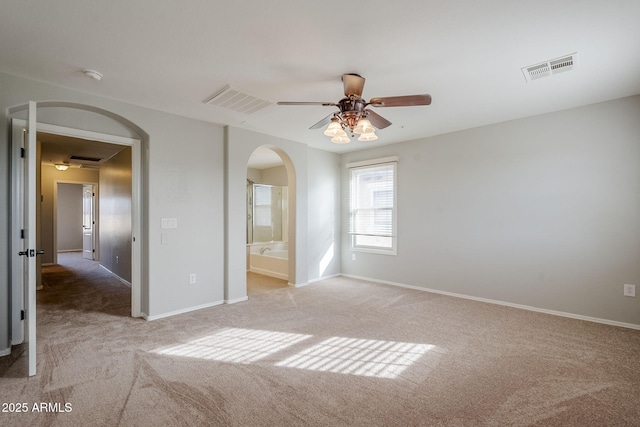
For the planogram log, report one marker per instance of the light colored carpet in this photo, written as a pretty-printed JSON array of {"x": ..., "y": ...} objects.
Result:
[{"x": 340, "y": 352}]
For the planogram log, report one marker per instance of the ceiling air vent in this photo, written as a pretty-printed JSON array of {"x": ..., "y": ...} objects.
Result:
[
  {"x": 232, "y": 99},
  {"x": 85, "y": 159},
  {"x": 551, "y": 67}
]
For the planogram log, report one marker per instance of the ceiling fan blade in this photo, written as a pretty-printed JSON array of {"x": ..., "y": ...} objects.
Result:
[
  {"x": 323, "y": 122},
  {"x": 332, "y": 104},
  {"x": 353, "y": 84},
  {"x": 401, "y": 101},
  {"x": 377, "y": 120}
]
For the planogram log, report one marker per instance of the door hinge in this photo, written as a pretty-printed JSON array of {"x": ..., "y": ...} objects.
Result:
[
  {"x": 23, "y": 152},
  {"x": 21, "y": 314},
  {"x": 22, "y": 233}
]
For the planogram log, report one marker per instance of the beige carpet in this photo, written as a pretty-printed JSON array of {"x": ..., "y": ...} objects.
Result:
[{"x": 336, "y": 353}]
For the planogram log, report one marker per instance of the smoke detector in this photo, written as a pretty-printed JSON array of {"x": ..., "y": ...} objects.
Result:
[
  {"x": 551, "y": 67},
  {"x": 93, "y": 74}
]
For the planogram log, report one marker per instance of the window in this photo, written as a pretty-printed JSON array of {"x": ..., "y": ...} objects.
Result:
[
  {"x": 372, "y": 205},
  {"x": 262, "y": 205}
]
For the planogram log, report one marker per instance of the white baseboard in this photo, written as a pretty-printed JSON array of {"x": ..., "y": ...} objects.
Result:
[
  {"x": 269, "y": 273},
  {"x": 118, "y": 277},
  {"x": 319, "y": 279},
  {"x": 5, "y": 352},
  {"x": 235, "y": 300},
  {"x": 324, "y": 278},
  {"x": 181, "y": 311},
  {"x": 497, "y": 302}
]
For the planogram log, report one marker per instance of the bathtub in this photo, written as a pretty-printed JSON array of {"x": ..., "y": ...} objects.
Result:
[{"x": 272, "y": 262}]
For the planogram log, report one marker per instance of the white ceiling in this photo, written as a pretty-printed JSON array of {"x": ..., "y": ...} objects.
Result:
[{"x": 467, "y": 54}]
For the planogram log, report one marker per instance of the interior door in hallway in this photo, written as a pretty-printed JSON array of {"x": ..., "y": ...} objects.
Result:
[{"x": 88, "y": 222}]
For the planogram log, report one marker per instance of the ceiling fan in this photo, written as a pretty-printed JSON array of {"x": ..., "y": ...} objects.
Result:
[{"x": 354, "y": 116}]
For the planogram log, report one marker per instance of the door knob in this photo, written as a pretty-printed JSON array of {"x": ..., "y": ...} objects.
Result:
[{"x": 31, "y": 252}]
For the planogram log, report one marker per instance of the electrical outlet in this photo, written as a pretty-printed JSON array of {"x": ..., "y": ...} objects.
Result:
[
  {"x": 192, "y": 279},
  {"x": 629, "y": 290}
]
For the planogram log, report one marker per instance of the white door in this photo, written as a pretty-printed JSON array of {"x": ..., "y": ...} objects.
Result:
[
  {"x": 88, "y": 221},
  {"x": 23, "y": 229}
]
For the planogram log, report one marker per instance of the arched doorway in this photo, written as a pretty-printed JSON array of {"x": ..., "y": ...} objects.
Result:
[
  {"x": 64, "y": 119},
  {"x": 270, "y": 229}
]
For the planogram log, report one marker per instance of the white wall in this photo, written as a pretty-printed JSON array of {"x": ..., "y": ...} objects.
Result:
[{"x": 542, "y": 211}]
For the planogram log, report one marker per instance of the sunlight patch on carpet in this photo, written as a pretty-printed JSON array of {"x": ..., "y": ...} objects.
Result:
[
  {"x": 369, "y": 358},
  {"x": 235, "y": 345}
]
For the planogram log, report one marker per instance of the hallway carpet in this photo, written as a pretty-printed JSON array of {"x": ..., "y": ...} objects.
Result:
[{"x": 340, "y": 352}]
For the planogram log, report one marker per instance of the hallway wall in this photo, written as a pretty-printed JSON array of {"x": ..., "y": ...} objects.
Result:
[{"x": 114, "y": 251}]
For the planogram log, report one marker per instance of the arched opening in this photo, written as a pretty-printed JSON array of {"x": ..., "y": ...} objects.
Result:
[
  {"x": 65, "y": 120},
  {"x": 270, "y": 228}
]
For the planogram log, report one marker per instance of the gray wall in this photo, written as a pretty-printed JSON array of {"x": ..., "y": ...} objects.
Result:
[
  {"x": 274, "y": 176},
  {"x": 186, "y": 184},
  {"x": 271, "y": 176},
  {"x": 69, "y": 217},
  {"x": 193, "y": 171},
  {"x": 115, "y": 214},
  {"x": 542, "y": 211},
  {"x": 239, "y": 145},
  {"x": 324, "y": 214}
]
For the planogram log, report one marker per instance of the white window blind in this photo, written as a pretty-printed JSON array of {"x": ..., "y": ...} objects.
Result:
[
  {"x": 372, "y": 207},
  {"x": 262, "y": 205}
]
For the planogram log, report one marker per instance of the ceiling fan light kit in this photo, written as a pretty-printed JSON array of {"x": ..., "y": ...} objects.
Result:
[
  {"x": 335, "y": 129},
  {"x": 368, "y": 137},
  {"x": 341, "y": 139},
  {"x": 354, "y": 117},
  {"x": 364, "y": 127}
]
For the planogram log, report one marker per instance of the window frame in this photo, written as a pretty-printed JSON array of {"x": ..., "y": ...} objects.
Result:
[{"x": 372, "y": 164}]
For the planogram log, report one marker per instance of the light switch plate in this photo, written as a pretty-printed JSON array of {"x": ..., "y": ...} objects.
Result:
[{"x": 169, "y": 222}]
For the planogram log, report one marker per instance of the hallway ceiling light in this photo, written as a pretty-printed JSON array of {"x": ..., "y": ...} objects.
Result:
[{"x": 61, "y": 166}]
